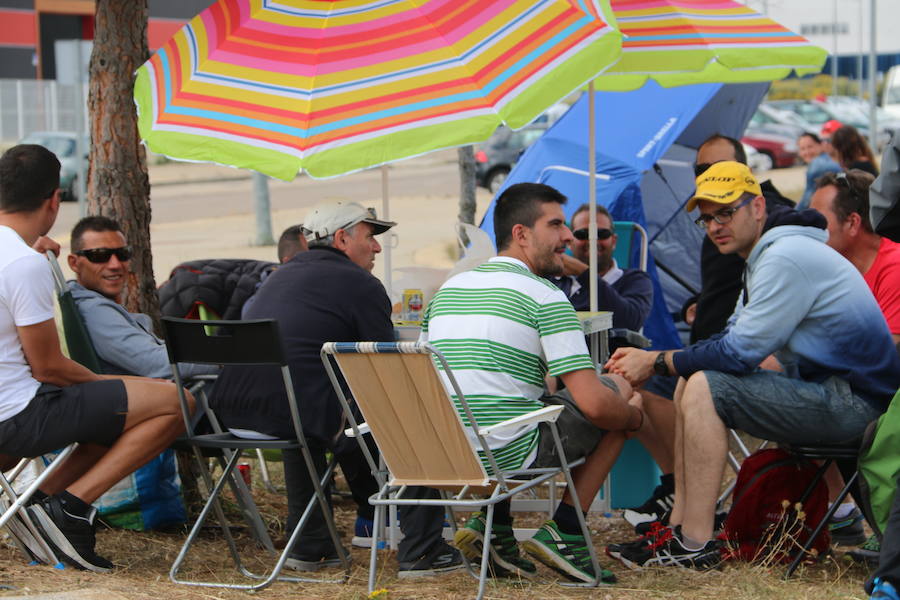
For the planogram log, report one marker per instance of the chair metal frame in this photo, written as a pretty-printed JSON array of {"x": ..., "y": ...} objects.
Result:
[
  {"x": 842, "y": 456},
  {"x": 501, "y": 486},
  {"x": 256, "y": 342},
  {"x": 15, "y": 519}
]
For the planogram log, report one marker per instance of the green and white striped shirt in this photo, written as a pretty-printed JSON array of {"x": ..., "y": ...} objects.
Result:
[{"x": 501, "y": 329}]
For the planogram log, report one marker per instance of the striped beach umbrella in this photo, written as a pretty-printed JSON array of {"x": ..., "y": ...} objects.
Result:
[
  {"x": 679, "y": 42},
  {"x": 331, "y": 87}
]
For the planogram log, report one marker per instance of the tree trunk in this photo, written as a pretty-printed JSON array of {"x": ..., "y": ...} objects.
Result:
[
  {"x": 118, "y": 185},
  {"x": 466, "y": 188}
]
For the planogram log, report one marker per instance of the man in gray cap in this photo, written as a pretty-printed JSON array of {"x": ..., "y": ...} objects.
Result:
[{"x": 326, "y": 294}]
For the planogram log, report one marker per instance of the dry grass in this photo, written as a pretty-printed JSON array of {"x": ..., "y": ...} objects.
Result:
[{"x": 143, "y": 560}]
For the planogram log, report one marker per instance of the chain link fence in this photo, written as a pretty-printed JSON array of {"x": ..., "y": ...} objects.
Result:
[{"x": 28, "y": 105}]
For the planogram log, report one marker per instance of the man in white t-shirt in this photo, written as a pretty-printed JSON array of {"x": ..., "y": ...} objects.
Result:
[{"x": 48, "y": 401}]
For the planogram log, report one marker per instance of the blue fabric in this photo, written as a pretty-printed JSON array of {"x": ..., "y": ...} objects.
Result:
[
  {"x": 801, "y": 292},
  {"x": 634, "y": 130},
  {"x": 819, "y": 166}
]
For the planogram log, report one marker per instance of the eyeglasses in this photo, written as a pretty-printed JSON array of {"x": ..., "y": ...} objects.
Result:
[
  {"x": 102, "y": 255},
  {"x": 723, "y": 216},
  {"x": 583, "y": 234},
  {"x": 701, "y": 168}
]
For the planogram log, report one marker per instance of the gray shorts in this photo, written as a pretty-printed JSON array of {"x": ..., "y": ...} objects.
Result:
[
  {"x": 578, "y": 435},
  {"x": 771, "y": 406}
]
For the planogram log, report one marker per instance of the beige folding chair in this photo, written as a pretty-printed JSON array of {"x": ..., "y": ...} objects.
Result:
[{"x": 423, "y": 440}]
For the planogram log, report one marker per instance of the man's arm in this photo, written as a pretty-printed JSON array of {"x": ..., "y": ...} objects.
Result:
[
  {"x": 600, "y": 404},
  {"x": 40, "y": 343},
  {"x": 630, "y": 303},
  {"x": 373, "y": 313}
]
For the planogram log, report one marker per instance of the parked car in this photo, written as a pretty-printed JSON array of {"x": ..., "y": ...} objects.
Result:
[
  {"x": 890, "y": 92},
  {"x": 63, "y": 145},
  {"x": 780, "y": 149},
  {"x": 770, "y": 119},
  {"x": 756, "y": 160},
  {"x": 495, "y": 158},
  {"x": 817, "y": 113}
]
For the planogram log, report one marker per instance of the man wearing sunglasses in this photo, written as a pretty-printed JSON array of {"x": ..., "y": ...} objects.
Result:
[
  {"x": 803, "y": 303},
  {"x": 124, "y": 341},
  {"x": 48, "y": 401},
  {"x": 844, "y": 200},
  {"x": 628, "y": 293}
]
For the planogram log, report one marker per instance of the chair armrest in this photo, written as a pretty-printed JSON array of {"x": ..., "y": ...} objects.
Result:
[
  {"x": 628, "y": 338},
  {"x": 547, "y": 414},
  {"x": 363, "y": 429}
]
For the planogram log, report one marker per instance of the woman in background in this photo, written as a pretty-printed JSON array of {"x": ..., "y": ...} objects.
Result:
[
  {"x": 818, "y": 163},
  {"x": 852, "y": 151}
]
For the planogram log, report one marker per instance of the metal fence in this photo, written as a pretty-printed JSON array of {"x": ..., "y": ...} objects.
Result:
[{"x": 29, "y": 105}]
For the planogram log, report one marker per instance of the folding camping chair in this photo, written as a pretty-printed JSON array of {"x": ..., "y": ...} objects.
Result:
[
  {"x": 243, "y": 343},
  {"x": 15, "y": 519},
  {"x": 422, "y": 439}
]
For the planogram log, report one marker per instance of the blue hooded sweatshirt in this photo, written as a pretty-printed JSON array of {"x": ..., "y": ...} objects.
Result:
[{"x": 810, "y": 307}]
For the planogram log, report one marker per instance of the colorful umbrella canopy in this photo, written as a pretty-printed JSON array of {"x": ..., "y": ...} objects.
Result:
[
  {"x": 679, "y": 42},
  {"x": 337, "y": 86}
]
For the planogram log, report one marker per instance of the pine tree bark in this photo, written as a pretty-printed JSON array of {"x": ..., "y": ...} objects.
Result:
[{"x": 118, "y": 185}]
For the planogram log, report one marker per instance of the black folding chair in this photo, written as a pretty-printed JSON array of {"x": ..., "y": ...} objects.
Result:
[
  {"x": 244, "y": 343},
  {"x": 845, "y": 457}
]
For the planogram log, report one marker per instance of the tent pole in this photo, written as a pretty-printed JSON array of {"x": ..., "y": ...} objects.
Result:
[
  {"x": 592, "y": 197},
  {"x": 389, "y": 237}
]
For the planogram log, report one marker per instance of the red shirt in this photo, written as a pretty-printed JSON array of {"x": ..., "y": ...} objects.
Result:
[{"x": 883, "y": 278}]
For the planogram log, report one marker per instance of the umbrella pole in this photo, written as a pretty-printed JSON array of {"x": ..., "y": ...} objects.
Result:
[
  {"x": 592, "y": 199},
  {"x": 388, "y": 238}
]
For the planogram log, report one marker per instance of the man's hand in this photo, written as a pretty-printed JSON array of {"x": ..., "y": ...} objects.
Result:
[
  {"x": 633, "y": 364},
  {"x": 44, "y": 243},
  {"x": 572, "y": 266},
  {"x": 690, "y": 313}
]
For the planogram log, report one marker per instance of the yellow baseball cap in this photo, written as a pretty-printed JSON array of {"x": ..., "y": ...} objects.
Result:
[{"x": 723, "y": 183}]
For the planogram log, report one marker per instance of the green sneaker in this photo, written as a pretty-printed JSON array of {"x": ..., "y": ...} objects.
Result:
[
  {"x": 566, "y": 554},
  {"x": 505, "y": 560}
]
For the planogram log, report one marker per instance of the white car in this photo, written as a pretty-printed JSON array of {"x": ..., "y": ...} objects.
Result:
[{"x": 756, "y": 160}]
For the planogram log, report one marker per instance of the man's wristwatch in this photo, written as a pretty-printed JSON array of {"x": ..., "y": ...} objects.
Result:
[{"x": 659, "y": 365}]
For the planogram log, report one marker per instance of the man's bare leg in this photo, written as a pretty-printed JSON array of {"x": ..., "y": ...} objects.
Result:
[
  {"x": 705, "y": 443},
  {"x": 589, "y": 477},
  {"x": 678, "y": 447},
  {"x": 659, "y": 437},
  {"x": 153, "y": 421}
]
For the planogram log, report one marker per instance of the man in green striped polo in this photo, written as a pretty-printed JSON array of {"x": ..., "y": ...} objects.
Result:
[{"x": 503, "y": 328}]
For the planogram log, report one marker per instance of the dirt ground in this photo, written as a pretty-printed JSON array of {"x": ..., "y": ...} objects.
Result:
[{"x": 143, "y": 560}]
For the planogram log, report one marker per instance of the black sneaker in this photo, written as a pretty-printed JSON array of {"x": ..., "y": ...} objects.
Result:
[
  {"x": 667, "y": 550},
  {"x": 623, "y": 551},
  {"x": 644, "y": 528},
  {"x": 868, "y": 553},
  {"x": 70, "y": 536},
  {"x": 443, "y": 558},
  {"x": 310, "y": 554},
  {"x": 658, "y": 504},
  {"x": 849, "y": 530}
]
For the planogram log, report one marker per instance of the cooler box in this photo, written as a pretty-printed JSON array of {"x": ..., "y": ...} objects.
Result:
[{"x": 633, "y": 477}]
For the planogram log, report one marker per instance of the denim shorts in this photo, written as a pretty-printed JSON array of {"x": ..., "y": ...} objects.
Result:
[{"x": 771, "y": 406}]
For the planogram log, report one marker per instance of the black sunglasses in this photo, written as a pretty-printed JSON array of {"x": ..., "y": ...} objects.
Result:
[
  {"x": 583, "y": 234},
  {"x": 701, "y": 168},
  {"x": 842, "y": 179},
  {"x": 102, "y": 255}
]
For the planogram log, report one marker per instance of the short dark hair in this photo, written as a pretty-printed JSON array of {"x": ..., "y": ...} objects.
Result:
[
  {"x": 289, "y": 243},
  {"x": 29, "y": 174},
  {"x": 601, "y": 210},
  {"x": 92, "y": 223},
  {"x": 740, "y": 155},
  {"x": 519, "y": 204},
  {"x": 811, "y": 136},
  {"x": 852, "y": 194}
]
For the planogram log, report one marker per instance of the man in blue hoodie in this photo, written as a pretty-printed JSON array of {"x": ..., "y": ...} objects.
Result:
[{"x": 803, "y": 305}]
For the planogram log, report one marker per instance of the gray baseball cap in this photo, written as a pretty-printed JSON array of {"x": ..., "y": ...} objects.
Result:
[{"x": 326, "y": 218}]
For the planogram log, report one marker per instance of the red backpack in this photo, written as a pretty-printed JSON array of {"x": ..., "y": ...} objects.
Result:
[{"x": 765, "y": 523}]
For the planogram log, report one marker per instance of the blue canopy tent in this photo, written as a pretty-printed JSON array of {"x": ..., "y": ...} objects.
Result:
[{"x": 646, "y": 142}]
